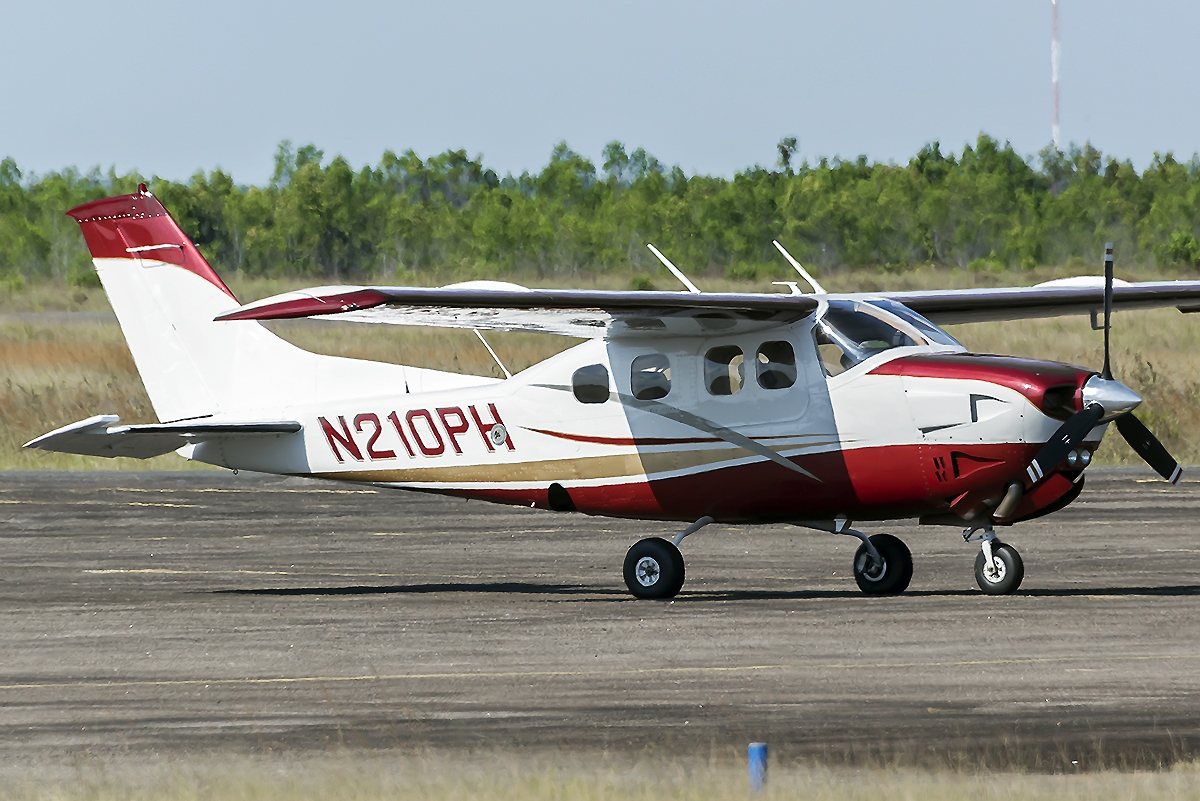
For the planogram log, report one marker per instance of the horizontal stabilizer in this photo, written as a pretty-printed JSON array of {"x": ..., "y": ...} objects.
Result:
[{"x": 102, "y": 436}]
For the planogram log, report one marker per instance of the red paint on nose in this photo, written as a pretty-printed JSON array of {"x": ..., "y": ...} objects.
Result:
[{"x": 1053, "y": 387}]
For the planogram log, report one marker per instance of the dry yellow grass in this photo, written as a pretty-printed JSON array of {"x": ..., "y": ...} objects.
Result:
[
  {"x": 53, "y": 372},
  {"x": 349, "y": 777}
]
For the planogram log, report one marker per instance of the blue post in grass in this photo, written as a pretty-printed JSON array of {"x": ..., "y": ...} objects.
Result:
[{"x": 758, "y": 766}]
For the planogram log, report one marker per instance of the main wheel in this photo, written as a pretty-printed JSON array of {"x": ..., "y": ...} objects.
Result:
[
  {"x": 889, "y": 578},
  {"x": 1006, "y": 571},
  {"x": 654, "y": 569}
]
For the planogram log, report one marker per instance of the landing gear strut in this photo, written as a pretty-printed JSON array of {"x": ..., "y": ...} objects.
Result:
[{"x": 998, "y": 567}]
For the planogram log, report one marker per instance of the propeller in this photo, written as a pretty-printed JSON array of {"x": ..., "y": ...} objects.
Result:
[{"x": 1105, "y": 399}]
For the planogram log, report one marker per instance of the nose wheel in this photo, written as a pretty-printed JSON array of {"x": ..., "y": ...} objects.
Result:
[{"x": 998, "y": 568}]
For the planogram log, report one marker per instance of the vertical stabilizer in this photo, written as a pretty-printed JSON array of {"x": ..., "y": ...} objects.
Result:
[{"x": 166, "y": 295}]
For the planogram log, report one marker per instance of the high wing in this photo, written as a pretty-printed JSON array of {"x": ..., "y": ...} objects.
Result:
[
  {"x": 101, "y": 436},
  {"x": 494, "y": 306},
  {"x": 593, "y": 314},
  {"x": 1082, "y": 295}
]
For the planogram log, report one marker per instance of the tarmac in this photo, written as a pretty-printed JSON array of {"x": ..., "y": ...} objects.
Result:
[{"x": 175, "y": 613}]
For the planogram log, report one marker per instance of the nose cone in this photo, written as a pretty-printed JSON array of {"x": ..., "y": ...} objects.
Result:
[{"x": 1114, "y": 397}]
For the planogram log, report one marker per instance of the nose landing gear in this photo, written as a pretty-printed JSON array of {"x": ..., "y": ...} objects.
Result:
[{"x": 998, "y": 567}]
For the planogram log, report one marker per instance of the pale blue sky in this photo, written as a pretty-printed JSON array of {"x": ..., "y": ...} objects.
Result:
[{"x": 169, "y": 88}]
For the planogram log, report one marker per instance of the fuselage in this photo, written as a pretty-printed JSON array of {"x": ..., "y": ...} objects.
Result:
[{"x": 853, "y": 412}]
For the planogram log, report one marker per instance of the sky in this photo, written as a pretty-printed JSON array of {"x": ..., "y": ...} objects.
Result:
[{"x": 170, "y": 88}]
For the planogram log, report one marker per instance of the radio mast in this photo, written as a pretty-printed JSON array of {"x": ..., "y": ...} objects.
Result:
[{"x": 1054, "y": 53}]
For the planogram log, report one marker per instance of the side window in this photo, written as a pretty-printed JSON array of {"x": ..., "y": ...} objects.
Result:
[
  {"x": 650, "y": 376},
  {"x": 590, "y": 384},
  {"x": 776, "y": 365},
  {"x": 724, "y": 370}
]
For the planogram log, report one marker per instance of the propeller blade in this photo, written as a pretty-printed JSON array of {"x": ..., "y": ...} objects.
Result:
[
  {"x": 1108, "y": 290},
  {"x": 1149, "y": 448},
  {"x": 1068, "y": 435}
]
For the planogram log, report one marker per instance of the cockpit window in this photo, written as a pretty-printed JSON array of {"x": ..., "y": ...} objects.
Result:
[
  {"x": 849, "y": 333},
  {"x": 931, "y": 331}
]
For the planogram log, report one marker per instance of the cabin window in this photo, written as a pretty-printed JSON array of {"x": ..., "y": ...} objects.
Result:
[
  {"x": 776, "y": 365},
  {"x": 724, "y": 370},
  {"x": 650, "y": 376},
  {"x": 590, "y": 384}
]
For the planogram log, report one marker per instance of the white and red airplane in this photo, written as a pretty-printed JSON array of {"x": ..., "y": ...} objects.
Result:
[{"x": 813, "y": 409}]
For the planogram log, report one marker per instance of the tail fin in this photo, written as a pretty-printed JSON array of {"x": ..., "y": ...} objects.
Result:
[{"x": 166, "y": 295}]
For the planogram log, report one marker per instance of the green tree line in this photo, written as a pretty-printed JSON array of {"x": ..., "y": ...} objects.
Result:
[{"x": 986, "y": 207}]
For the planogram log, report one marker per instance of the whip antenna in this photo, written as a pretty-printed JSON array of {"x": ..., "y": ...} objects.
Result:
[
  {"x": 674, "y": 270},
  {"x": 820, "y": 290}
]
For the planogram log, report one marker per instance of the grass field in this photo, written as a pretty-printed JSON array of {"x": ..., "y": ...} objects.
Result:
[
  {"x": 56, "y": 368},
  {"x": 351, "y": 777}
]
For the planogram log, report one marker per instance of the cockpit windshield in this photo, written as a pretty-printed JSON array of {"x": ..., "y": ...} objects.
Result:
[
  {"x": 928, "y": 329},
  {"x": 851, "y": 332}
]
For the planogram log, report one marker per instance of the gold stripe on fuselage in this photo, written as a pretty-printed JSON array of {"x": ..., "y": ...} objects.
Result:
[{"x": 581, "y": 468}]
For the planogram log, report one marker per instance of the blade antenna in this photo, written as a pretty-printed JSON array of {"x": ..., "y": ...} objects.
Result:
[
  {"x": 820, "y": 290},
  {"x": 1108, "y": 293},
  {"x": 494, "y": 356},
  {"x": 674, "y": 270}
]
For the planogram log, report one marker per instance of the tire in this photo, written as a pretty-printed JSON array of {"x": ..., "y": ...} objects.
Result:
[
  {"x": 1009, "y": 567},
  {"x": 654, "y": 569},
  {"x": 897, "y": 568}
]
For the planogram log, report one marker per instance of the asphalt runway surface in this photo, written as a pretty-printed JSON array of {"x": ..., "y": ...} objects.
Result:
[{"x": 184, "y": 612}]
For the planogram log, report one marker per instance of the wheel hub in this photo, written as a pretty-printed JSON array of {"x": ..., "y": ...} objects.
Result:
[
  {"x": 995, "y": 571},
  {"x": 871, "y": 569},
  {"x": 647, "y": 571}
]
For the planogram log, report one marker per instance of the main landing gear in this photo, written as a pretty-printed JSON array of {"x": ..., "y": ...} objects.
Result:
[
  {"x": 998, "y": 566},
  {"x": 654, "y": 566},
  {"x": 888, "y": 570}
]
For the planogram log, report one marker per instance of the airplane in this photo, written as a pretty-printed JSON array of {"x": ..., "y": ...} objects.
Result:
[{"x": 816, "y": 409}]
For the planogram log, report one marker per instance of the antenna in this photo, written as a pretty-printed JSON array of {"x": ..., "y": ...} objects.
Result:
[
  {"x": 674, "y": 270},
  {"x": 820, "y": 290},
  {"x": 1054, "y": 54}
]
